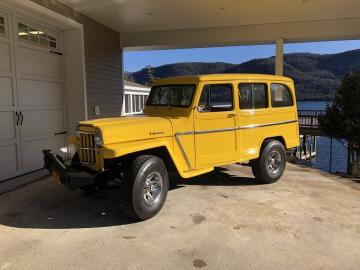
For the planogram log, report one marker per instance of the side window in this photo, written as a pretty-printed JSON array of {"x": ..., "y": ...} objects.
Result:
[
  {"x": 216, "y": 98},
  {"x": 2, "y": 25},
  {"x": 36, "y": 36},
  {"x": 280, "y": 96},
  {"x": 253, "y": 96},
  {"x": 127, "y": 103},
  {"x": 245, "y": 96}
]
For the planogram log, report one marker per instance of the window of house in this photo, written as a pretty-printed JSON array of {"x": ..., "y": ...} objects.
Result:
[
  {"x": 2, "y": 25},
  {"x": 36, "y": 36},
  {"x": 134, "y": 103},
  {"x": 280, "y": 96},
  {"x": 145, "y": 97},
  {"x": 253, "y": 96},
  {"x": 127, "y": 103},
  {"x": 216, "y": 98},
  {"x": 138, "y": 103}
]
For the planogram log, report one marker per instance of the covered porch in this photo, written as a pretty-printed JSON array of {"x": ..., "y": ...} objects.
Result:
[
  {"x": 62, "y": 62},
  {"x": 82, "y": 76}
]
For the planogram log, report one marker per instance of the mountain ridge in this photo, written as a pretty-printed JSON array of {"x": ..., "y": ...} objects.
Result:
[{"x": 316, "y": 76}]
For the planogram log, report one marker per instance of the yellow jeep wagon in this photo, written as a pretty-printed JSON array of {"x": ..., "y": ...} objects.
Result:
[{"x": 190, "y": 125}]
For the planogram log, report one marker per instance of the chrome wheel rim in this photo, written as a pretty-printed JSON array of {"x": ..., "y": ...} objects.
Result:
[
  {"x": 153, "y": 188},
  {"x": 274, "y": 162}
]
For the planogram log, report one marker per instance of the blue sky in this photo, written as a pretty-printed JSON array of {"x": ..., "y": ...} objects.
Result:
[{"x": 134, "y": 61}]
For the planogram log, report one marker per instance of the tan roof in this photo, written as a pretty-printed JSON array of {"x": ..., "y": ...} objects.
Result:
[{"x": 220, "y": 77}]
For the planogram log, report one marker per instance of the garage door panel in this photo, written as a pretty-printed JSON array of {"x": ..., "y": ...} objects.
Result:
[
  {"x": 31, "y": 85},
  {"x": 5, "y": 64},
  {"x": 7, "y": 124},
  {"x": 41, "y": 122},
  {"x": 6, "y": 92},
  {"x": 8, "y": 159},
  {"x": 38, "y": 64},
  {"x": 32, "y": 151},
  {"x": 39, "y": 93}
]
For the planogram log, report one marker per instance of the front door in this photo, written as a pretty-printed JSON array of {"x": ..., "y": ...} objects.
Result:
[{"x": 215, "y": 125}]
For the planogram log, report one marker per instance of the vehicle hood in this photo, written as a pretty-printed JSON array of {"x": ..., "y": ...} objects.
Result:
[{"x": 131, "y": 128}]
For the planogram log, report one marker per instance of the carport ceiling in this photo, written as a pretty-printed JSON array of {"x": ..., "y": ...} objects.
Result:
[{"x": 153, "y": 15}]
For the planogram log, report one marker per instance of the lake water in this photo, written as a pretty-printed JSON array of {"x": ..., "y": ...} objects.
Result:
[{"x": 322, "y": 159}]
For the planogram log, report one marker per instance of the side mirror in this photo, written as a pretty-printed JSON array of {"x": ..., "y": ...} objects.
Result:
[{"x": 201, "y": 108}]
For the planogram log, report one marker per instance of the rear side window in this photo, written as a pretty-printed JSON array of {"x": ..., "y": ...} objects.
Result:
[
  {"x": 253, "y": 96},
  {"x": 216, "y": 98},
  {"x": 280, "y": 96}
]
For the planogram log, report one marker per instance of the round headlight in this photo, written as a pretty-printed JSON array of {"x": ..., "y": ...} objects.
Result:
[{"x": 98, "y": 139}]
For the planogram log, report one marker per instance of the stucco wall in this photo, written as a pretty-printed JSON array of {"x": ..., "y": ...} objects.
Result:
[{"x": 103, "y": 61}]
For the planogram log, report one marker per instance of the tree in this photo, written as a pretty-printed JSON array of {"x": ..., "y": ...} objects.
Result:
[
  {"x": 342, "y": 118},
  {"x": 128, "y": 77},
  {"x": 149, "y": 75}
]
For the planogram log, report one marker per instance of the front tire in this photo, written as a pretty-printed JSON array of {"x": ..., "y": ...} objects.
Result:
[
  {"x": 145, "y": 187},
  {"x": 270, "y": 166}
]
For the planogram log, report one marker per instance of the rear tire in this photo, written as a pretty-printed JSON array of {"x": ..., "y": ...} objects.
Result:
[
  {"x": 270, "y": 166},
  {"x": 145, "y": 187}
]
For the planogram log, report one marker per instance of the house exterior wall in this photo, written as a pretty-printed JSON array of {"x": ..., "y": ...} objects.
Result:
[{"x": 103, "y": 62}]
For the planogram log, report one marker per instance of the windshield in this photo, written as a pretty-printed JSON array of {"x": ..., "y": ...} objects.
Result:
[{"x": 179, "y": 95}]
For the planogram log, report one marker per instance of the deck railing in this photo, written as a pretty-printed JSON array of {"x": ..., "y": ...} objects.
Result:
[{"x": 309, "y": 119}]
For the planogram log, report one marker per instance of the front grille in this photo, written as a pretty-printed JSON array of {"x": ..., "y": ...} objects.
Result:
[{"x": 87, "y": 149}]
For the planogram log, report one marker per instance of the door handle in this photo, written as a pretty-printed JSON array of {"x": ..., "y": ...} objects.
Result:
[
  {"x": 17, "y": 118},
  {"x": 231, "y": 115},
  {"x": 60, "y": 133},
  {"x": 21, "y": 118}
]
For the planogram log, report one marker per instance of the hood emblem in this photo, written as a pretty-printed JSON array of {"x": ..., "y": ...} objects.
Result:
[{"x": 156, "y": 132}]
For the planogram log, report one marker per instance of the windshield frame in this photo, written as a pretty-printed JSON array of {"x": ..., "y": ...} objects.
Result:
[{"x": 169, "y": 105}]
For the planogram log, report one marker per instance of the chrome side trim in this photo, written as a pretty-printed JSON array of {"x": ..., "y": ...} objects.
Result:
[
  {"x": 215, "y": 130},
  {"x": 220, "y": 130},
  {"x": 267, "y": 125},
  {"x": 185, "y": 133},
  {"x": 181, "y": 147},
  {"x": 235, "y": 128}
]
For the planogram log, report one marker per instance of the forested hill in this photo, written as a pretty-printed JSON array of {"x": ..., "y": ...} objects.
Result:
[{"x": 316, "y": 76}]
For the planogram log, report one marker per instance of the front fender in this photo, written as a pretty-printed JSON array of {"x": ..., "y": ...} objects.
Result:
[
  {"x": 116, "y": 150},
  {"x": 123, "y": 148}
]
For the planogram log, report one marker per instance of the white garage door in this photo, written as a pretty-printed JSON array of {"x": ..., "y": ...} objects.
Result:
[{"x": 31, "y": 96}]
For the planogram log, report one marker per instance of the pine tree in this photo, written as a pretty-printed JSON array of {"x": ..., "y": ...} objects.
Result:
[
  {"x": 149, "y": 75},
  {"x": 342, "y": 118}
]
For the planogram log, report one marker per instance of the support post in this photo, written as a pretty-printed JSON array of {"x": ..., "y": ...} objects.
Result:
[
  {"x": 279, "y": 57},
  {"x": 349, "y": 157},
  {"x": 304, "y": 146},
  {"x": 330, "y": 160},
  {"x": 122, "y": 80}
]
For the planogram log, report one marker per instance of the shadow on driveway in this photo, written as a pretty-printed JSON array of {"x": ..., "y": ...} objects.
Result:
[{"x": 47, "y": 205}]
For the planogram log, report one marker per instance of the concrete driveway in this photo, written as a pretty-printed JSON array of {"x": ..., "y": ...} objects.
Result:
[{"x": 221, "y": 220}]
